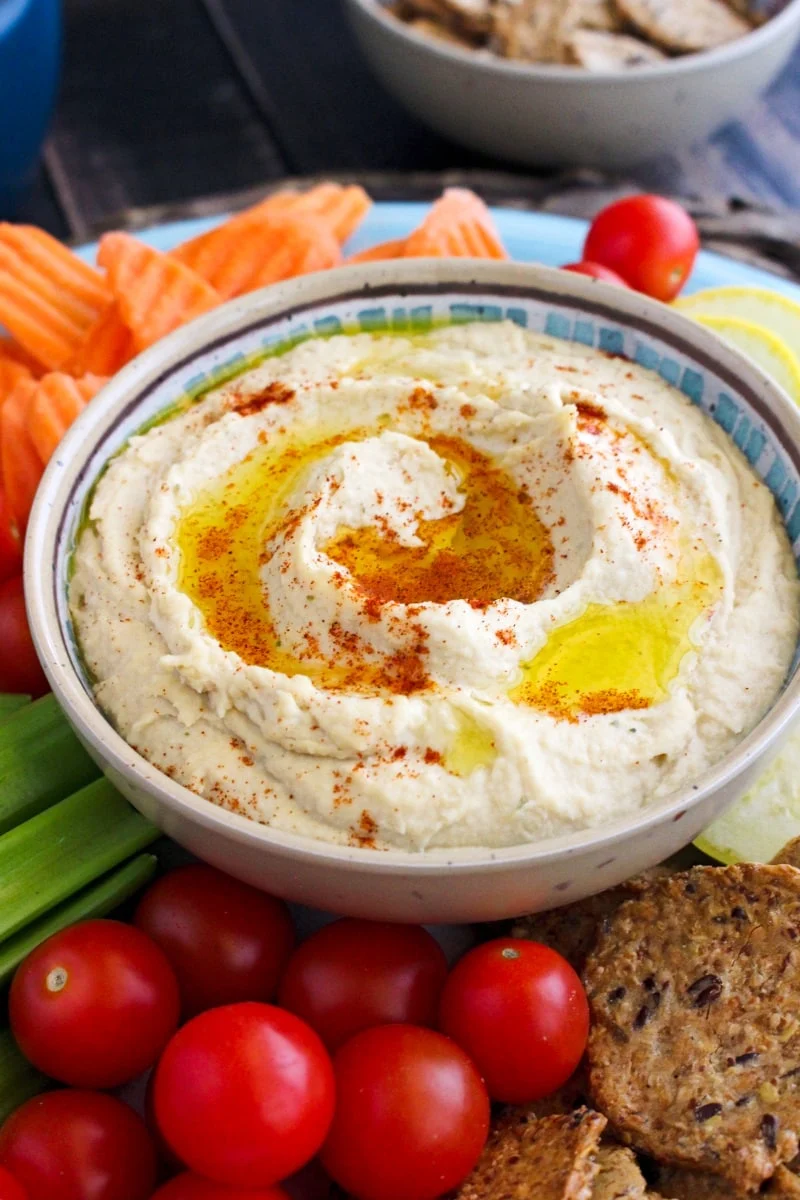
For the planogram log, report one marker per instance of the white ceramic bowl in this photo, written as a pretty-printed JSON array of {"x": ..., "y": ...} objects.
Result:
[
  {"x": 546, "y": 115},
  {"x": 469, "y": 884}
]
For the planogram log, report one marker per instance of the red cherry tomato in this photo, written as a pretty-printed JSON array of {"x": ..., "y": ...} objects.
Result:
[
  {"x": 9, "y": 1188},
  {"x": 412, "y": 1115},
  {"x": 244, "y": 1094},
  {"x": 10, "y": 542},
  {"x": 520, "y": 1011},
  {"x": 168, "y": 1162},
  {"x": 94, "y": 1005},
  {"x": 353, "y": 974},
  {"x": 20, "y": 670},
  {"x": 596, "y": 271},
  {"x": 226, "y": 941},
  {"x": 73, "y": 1145},
  {"x": 650, "y": 241},
  {"x": 193, "y": 1187}
]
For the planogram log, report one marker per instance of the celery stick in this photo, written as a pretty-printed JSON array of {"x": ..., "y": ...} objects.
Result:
[
  {"x": 10, "y": 702},
  {"x": 41, "y": 761},
  {"x": 56, "y": 853},
  {"x": 18, "y": 1079},
  {"x": 97, "y": 900}
]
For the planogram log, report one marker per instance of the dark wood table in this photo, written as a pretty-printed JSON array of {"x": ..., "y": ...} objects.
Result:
[{"x": 168, "y": 101}]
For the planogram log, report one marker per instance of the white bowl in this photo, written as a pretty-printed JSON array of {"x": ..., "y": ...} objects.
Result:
[
  {"x": 546, "y": 115},
  {"x": 458, "y": 885}
]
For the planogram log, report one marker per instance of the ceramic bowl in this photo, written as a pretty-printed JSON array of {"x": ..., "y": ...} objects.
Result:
[
  {"x": 548, "y": 115},
  {"x": 441, "y": 886}
]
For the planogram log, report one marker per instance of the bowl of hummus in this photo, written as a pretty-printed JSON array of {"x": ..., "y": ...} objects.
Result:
[{"x": 427, "y": 590}]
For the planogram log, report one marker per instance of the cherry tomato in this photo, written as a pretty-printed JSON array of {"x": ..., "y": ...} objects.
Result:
[
  {"x": 520, "y": 1011},
  {"x": 650, "y": 241},
  {"x": 10, "y": 542},
  {"x": 412, "y": 1115},
  {"x": 94, "y": 1005},
  {"x": 168, "y": 1162},
  {"x": 353, "y": 974},
  {"x": 73, "y": 1145},
  {"x": 193, "y": 1187},
  {"x": 20, "y": 670},
  {"x": 595, "y": 271},
  {"x": 9, "y": 1188},
  {"x": 226, "y": 941},
  {"x": 244, "y": 1094}
]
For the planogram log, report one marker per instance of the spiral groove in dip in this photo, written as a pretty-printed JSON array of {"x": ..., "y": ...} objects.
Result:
[{"x": 476, "y": 587}]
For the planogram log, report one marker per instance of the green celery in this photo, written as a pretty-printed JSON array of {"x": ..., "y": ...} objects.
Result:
[
  {"x": 41, "y": 761},
  {"x": 97, "y": 900},
  {"x": 10, "y": 702},
  {"x": 19, "y": 1081},
  {"x": 56, "y": 853}
]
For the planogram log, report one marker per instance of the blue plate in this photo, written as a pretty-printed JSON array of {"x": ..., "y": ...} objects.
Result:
[{"x": 529, "y": 237}]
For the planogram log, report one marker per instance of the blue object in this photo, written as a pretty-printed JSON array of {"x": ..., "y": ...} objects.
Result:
[{"x": 30, "y": 48}]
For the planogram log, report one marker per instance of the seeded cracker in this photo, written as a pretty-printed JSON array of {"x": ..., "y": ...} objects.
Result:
[
  {"x": 599, "y": 51},
  {"x": 529, "y": 30},
  {"x": 757, "y": 11},
  {"x": 572, "y": 930},
  {"x": 618, "y": 1177},
  {"x": 694, "y": 1051},
  {"x": 526, "y": 1159},
  {"x": 790, "y": 854},
  {"x": 464, "y": 16},
  {"x": 693, "y": 1185},
  {"x": 593, "y": 14},
  {"x": 441, "y": 32},
  {"x": 683, "y": 26}
]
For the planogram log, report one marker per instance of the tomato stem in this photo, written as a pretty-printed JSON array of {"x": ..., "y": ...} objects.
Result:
[{"x": 56, "y": 979}]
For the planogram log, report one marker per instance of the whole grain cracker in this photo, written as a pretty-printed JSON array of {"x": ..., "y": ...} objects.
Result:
[
  {"x": 618, "y": 1176},
  {"x": 683, "y": 26},
  {"x": 530, "y": 1159},
  {"x": 529, "y": 30},
  {"x": 784, "y": 1185},
  {"x": 592, "y": 14},
  {"x": 694, "y": 1050},
  {"x": 597, "y": 51},
  {"x": 789, "y": 854},
  {"x": 680, "y": 1184},
  {"x": 572, "y": 930},
  {"x": 757, "y": 11},
  {"x": 442, "y": 33},
  {"x": 467, "y": 18}
]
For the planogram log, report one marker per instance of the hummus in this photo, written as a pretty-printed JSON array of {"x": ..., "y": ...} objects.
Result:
[{"x": 472, "y": 587}]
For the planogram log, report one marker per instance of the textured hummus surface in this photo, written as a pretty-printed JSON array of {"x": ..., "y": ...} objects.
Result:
[{"x": 473, "y": 587}]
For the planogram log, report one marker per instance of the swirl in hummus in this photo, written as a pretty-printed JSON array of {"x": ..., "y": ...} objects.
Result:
[{"x": 474, "y": 587}]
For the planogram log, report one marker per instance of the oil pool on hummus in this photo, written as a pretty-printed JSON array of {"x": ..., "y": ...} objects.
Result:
[{"x": 476, "y": 587}]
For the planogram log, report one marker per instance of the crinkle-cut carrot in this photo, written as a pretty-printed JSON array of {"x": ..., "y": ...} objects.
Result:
[
  {"x": 48, "y": 296},
  {"x": 300, "y": 246},
  {"x": 22, "y": 468},
  {"x": 395, "y": 248},
  {"x": 155, "y": 293},
  {"x": 58, "y": 400},
  {"x": 459, "y": 225},
  {"x": 108, "y": 345},
  {"x": 343, "y": 208},
  {"x": 51, "y": 257},
  {"x": 11, "y": 373},
  {"x": 11, "y": 351},
  {"x": 256, "y": 249}
]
